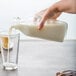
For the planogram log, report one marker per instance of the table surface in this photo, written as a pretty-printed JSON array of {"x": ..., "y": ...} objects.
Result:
[{"x": 43, "y": 58}]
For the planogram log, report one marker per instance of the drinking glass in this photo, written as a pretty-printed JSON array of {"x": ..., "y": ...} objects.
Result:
[{"x": 9, "y": 49}]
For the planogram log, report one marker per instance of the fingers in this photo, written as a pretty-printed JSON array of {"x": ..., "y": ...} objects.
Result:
[
  {"x": 50, "y": 13},
  {"x": 39, "y": 15},
  {"x": 56, "y": 15},
  {"x": 41, "y": 24}
]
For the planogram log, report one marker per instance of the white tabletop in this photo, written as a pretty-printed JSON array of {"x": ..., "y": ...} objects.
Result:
[{"x": 44, "y": 58}]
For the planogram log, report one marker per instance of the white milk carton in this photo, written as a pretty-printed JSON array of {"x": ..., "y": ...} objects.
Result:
[{"x": 54, "y": 31}]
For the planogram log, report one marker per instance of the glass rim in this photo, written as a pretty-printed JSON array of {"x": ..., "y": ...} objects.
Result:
[{"x": 6, "y": 33}]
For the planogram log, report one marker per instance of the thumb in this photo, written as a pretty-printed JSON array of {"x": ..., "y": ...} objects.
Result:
[
  {"x": 44, "y": 19},
  {"x": 41, "y": 24}
]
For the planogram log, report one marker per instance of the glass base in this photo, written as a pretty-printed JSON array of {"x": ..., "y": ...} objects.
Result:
[{"x": 10, "y": 66}]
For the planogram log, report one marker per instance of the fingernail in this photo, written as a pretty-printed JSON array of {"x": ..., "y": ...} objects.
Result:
[{"x": 39, "y": 27}]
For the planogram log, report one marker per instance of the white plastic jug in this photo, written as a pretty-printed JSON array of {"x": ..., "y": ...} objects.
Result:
[{"x": 54, "y": 31}]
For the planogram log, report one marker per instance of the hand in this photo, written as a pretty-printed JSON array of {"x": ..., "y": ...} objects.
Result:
[{"x": 54, "y": 11}]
